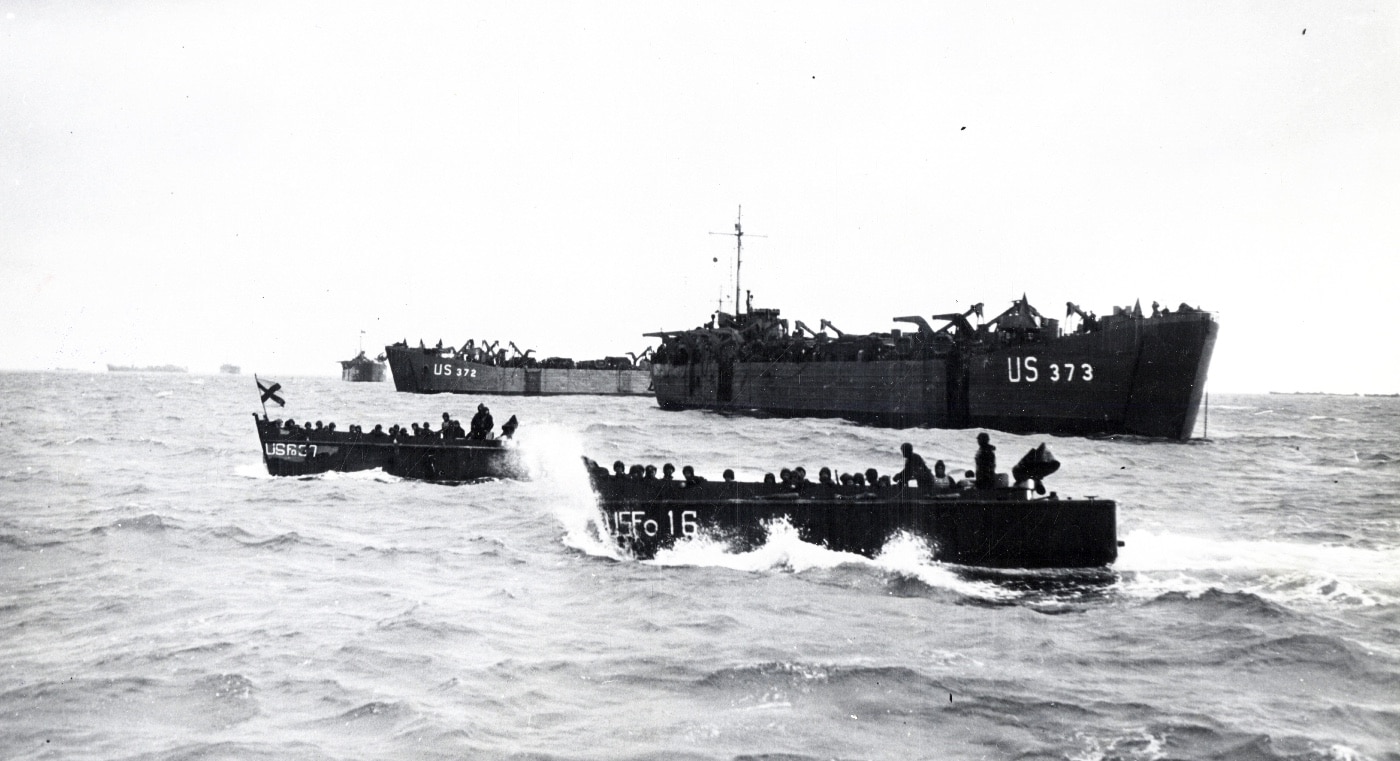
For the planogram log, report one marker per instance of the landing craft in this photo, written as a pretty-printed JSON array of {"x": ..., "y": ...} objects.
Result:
[
  {"x": 1005, "y": 526},
  {"x": 294, "y": 451},
  {"x": 448, "y": 455}
]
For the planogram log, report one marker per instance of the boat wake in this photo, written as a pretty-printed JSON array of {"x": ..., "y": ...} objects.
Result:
[
  {"x": 376, "y": 475},
  {"x": 258, "y": 471},
  {"x": 552, "y": 456},
  {"x": 254, "y": 470},
  {"x": 1285, "y": 573},
  {"x": 904, "y": 556}
]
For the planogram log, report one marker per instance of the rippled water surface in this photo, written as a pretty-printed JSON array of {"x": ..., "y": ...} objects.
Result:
[{"x": 161, "y": 597}]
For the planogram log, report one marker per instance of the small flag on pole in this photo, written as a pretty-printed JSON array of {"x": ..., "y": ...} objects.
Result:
[{"x": 269, "y": 393}]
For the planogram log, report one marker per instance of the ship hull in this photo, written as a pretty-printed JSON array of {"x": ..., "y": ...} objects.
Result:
[
  {"x": 371, "y": 372},
  {"x": 1139, "y": 376},
  {"x": 295, "y": 453},
  {"x": 426, "y": 371},
  {"x": 995, "y": 528},
  {"x": 893, "y": 393}
]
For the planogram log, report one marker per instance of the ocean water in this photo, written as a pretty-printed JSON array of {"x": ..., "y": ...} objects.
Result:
[{"x": 161, "y": 597}]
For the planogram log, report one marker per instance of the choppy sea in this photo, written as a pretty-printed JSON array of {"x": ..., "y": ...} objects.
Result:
[{"x": 162, "y": 597}]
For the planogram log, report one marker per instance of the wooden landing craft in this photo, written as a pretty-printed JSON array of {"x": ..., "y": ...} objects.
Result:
[{"x": 1000, "y": 527}]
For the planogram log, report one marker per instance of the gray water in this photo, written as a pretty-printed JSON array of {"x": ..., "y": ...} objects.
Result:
[{"x": 161, "y": 597}]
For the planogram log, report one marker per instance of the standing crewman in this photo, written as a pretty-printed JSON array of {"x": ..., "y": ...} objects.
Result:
[
  {"x": 986, "y": 462},
  {"x": 914, "y": 469},
  {"x": 482, "y": 423}
]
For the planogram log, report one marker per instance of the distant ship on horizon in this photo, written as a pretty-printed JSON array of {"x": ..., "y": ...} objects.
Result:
[
  {"x": 147, "y": 369},
  {"x": 362, "y": 369},
  {"x": 230, "y": 369}
]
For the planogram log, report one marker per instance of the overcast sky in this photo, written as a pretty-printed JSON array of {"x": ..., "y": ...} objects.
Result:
[{"x": 255, "y": 183}]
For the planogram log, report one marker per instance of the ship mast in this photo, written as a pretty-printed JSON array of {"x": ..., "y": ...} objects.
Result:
[{"x": 738, "y": 253}]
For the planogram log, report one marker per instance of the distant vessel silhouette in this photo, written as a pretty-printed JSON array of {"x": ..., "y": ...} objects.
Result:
[
  {"x": 362, "y": 369},
  {"x": 146, "y": 369}
]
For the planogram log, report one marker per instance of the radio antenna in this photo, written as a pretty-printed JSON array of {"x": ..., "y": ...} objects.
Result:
[{"x": 738, "y": 253}]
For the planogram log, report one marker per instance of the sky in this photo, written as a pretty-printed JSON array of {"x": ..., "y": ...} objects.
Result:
[{"x": 201, "y": 183}]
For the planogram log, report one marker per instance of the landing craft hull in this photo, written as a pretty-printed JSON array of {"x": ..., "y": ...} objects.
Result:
[
  {"x": 1138, "y": 376},
  {"x": 994, "y": 528},
  {"x": 297, "y": 454},
  {"x": 426, "y": 371}
]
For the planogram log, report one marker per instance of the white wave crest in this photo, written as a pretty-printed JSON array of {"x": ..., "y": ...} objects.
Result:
[
  {"x": 784, "y": 550},
  {"x": 252, "y": 470},
  {"x": 910, "y": 555},
  {"x": 553, "y": 456},
  {"x": 1283, "y": 572},
  {"x": 376, "y": 475},
  {"x": 904, "y": 554},
  {"x": 259, "y": 472}
]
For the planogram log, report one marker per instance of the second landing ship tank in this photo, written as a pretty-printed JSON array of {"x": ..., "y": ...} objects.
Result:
[
  {"x": 486, "y": 369},
  {"x": 1018, "y": 372}
]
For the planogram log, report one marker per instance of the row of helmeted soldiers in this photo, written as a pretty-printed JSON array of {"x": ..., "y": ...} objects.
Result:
[
  {"x": 481, "y": 426},
  {"x": 1036, "y": 464},
  {"x": 480, "y": 430}
]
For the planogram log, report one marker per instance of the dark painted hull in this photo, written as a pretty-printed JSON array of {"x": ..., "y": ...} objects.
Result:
[
  {"x": 362, "y": 372},
  {"x": 297, "y": 454},
  {"x": 1139, "y": 376},
  {"x": 990, "y": 528},
  {"x": 426, "y": 371}
]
